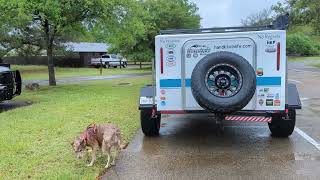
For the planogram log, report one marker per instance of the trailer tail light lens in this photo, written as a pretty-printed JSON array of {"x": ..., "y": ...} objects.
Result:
[
  {"x": 161, "y": 60},
  {"x": 278, "y": 56}
]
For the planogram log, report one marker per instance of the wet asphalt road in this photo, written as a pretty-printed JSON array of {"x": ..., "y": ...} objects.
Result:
[{"x": 188, "y": 147}]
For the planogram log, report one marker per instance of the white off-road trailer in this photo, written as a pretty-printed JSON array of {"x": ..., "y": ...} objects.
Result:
[{"x": 236, "y": 73}]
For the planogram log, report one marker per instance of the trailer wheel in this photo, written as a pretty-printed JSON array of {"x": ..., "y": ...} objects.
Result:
[
  {"x": 281, "y": 126},
  {"x": 150, "y": 126},
  {"x": 223, "y": 82}
]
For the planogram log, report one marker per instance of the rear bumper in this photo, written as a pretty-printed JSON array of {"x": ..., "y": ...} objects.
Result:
[{"x": 293, "y": 102}]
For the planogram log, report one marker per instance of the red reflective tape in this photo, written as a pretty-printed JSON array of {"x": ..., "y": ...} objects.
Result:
[
  {"x": 161, "y": 60},
  {"x": 248, "y": 118},
  {"x": 278, "y": 56}
]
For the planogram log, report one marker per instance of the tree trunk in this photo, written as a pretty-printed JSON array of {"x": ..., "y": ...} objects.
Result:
[
  {"x": 52, "y": 78},
  {"x": 140, "y": 65},
  {"x": 50, "y": 33}
]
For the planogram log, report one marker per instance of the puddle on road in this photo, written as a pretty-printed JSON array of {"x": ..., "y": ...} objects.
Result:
[
  {"x": 123, "y": 84},
  {"x": 10, "y": 105},
  {"x": 304, "y": 157}
]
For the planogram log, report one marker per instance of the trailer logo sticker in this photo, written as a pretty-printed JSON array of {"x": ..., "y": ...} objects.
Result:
[
  {"x": 271, "y": 47},
  {"x": 260, "y": 72},
  {"x": 268, "y": 36},
  {"x": 171, "y": 46},
  {"x": 196, "y": 50},
  {"x": 171, "y": 51},
  {"x": 171, "y": 61},
  {"x": 270, "y": 95},
  {"x": 269, "y": 102},
  {"x": 261, "y": 102},
  {"x": 233, "y": 46},
  {"x": 271, "y": 50},
  {"x": 276, "y": 102},
  {"x": 171, "y": 58}
]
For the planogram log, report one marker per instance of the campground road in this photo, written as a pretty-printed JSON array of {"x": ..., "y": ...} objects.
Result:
[
  {"x": 86, "y": 78},
  {"x": 188, "y": 147},
  {"x": 9, "y": 105}
]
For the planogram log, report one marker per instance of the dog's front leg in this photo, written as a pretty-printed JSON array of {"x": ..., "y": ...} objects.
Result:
[
  {"x": 114, "y": 157},
  {"x": 93, "y": 156},
  {"x": 109, "y": 157}
]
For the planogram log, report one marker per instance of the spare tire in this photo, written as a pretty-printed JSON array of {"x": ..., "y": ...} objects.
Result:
[{"x": 223, "y": 82}]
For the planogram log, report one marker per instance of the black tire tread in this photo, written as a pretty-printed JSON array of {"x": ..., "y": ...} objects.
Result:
[
  {"x": 150, "y": 126},
  {"x": 281, "y": 127},
  {"x": 233, "y": 103}
]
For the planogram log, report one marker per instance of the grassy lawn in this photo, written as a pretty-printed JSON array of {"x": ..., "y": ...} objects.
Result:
[
  {"x": 31, "y": 72},
  {"x": 35, "y": 140},
  {"x": 316, "y": 64},
  {"x": 291, "y": 58}
]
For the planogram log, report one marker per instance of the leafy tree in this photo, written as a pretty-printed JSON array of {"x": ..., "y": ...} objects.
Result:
[
  {"x": 261, "y": 18},
  {"x": 144, "y": 19},
  {"x": 302, "y": 12},
  {"x": 46, "y": 24}
]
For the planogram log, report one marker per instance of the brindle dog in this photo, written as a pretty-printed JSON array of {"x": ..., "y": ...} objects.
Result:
[{"x": 104, "y": 136}]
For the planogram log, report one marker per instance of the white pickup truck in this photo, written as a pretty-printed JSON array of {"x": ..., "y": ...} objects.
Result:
[
  {"x": 109, "y": 60},
  {"x": 235, "y": 73}
]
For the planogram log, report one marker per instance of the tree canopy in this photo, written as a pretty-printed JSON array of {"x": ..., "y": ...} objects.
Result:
[
  {"x": 260, "y": 18},
  {"x": 302, "y": 12},
  {"x": 45, "y": 24},
  {"x": 134, "y": 36}
]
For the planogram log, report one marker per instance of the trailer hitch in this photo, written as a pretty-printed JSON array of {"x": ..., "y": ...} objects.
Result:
[{"x": 219, "y": 122}]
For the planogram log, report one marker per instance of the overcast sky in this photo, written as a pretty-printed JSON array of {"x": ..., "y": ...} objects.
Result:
[{"x": 229, "y": 12}]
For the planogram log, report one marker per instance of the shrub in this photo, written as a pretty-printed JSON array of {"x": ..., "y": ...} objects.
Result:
[{"x": 300, "y": 44}]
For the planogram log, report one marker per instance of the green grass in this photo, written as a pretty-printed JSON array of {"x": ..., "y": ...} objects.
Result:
[
  {"x": 316, "y": 64},
  {"x": 32, "y": 72},
  {"x": 35, "y": 140},
  {"x": 293, "y": 58}
]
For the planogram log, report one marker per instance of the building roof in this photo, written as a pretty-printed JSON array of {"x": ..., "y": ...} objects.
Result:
[{"x": 87, "y": 47}]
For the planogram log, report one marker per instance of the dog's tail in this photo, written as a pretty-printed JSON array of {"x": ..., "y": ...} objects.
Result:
[
  {"x": 120, "y": 141},
  {"x": 123, "y": 145}
]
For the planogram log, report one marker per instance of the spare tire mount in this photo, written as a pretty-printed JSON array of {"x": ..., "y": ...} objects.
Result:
[{"x": 223, "y": 82}]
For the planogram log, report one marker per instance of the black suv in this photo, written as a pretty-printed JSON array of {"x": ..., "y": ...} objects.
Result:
[{"x": 10, "y": 83}]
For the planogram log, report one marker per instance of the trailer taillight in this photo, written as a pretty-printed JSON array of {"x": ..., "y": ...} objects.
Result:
[
  {"x": 278, "y": 56},
  {"x": 161, "y": 60}
]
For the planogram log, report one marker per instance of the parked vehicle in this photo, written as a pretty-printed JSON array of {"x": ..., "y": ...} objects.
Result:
[
  {"x": 236, "y": 73},
  {"x": 10, "y": 83},
  {"x": 109, "y": 60}
]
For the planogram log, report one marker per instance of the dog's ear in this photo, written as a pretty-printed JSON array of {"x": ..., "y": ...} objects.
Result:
[{"x": 82, "y": 142}]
